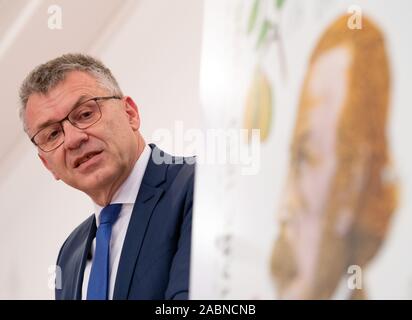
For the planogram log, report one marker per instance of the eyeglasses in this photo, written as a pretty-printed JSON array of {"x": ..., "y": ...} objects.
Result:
[{"x": 82, "y": 117}]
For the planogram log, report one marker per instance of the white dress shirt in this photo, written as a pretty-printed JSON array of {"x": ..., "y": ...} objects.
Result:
[{"x": 126, "y": 195}]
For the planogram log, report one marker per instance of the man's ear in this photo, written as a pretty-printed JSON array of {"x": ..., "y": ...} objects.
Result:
[
  {"x": 46, "y": 164},
  {"x": 133, "y": 113}
]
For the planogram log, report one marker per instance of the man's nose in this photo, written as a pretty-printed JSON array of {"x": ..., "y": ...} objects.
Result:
[{"x": 73, "y": 137}]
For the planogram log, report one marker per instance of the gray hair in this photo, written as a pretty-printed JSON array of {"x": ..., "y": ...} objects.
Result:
[{"x": 48, "y": 75}]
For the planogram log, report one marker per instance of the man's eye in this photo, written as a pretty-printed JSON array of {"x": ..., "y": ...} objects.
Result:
[
  {"x": 53, "y": 135},
  {"x": 85, "y": 115},
  {"x": 302, "y": 155}
]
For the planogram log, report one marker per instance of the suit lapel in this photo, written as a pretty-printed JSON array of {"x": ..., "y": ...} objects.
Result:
[
  {"x": 146, "y": 201},
  {"x": 72, "y": 289}
]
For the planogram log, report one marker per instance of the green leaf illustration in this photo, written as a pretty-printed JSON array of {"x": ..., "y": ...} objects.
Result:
[
  {"x": 280, "y": 3},
  {"x": 263, "y": 32},
  {"x": 253, "y": 16}
]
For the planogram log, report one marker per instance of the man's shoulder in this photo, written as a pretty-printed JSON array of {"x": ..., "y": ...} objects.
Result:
[
  {"x": 182, "y": 166},
  {"x": 160, "y": 157},
  {"x": 175, "y": 167}
]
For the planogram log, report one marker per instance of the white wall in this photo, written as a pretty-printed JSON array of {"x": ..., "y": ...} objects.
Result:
[{"x": 155, "y": 56}]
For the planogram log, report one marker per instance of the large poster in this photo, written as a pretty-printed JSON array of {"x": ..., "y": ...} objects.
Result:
[{"x": 317, "y": 205}]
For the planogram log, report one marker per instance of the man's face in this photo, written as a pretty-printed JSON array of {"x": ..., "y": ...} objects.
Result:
[
  {"x": 311, "y": 176},
  {"x": 111, "y": 141}
]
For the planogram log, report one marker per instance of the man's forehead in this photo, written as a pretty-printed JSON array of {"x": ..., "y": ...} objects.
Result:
[
  {"x": 60, "y": 99},
  {"x": 73, "y": 82}
]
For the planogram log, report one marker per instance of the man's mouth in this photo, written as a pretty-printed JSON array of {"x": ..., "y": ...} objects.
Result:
[{"x": 85, "y": 158}]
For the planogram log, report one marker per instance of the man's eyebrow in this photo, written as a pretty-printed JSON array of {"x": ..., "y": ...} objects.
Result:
[{"x": 80, "y": 100}]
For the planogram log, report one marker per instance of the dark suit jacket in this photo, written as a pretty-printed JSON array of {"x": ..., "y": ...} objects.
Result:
[{"x": 155, "y": 258}]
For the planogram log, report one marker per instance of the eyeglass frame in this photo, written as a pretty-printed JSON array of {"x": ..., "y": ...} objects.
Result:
[{"x": 95, "y": 99}]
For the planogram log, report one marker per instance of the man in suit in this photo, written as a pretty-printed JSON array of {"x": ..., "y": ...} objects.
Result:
[{"x": 137, "y": 243}]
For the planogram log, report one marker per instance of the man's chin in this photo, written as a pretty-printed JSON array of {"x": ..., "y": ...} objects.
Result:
[{"x": 89, "y": 182}]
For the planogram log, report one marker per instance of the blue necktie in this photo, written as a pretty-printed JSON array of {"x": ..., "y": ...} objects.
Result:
[{"x": 99, "y": 276}]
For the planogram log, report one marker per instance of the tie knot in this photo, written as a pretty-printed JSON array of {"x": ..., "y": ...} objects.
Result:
[{"x": 110, "y": 213}]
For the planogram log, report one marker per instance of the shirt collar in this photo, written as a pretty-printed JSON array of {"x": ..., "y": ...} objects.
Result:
[{"x": 127, "y": 192}]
